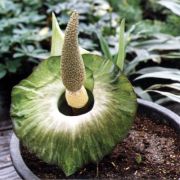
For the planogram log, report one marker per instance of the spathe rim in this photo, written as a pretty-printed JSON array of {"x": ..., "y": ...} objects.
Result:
[{"x": 97, "y": 131}]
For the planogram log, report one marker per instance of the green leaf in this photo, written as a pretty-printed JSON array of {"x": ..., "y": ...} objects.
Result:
[
  {"x": 104, "y": 47},
  {"x": 171, "y": 55},
  {"x": 138, "y": 158},
  {"x": 2, "y": 67},
  {"x": 173, "y": 97},
  {"x": 175, "y": 86},
  {"x": 165, "y": 75},
  {"x": 162, "y": 100},
  {"x": 156, "y": 69},
  {"x": 142, "y": 94},
  {"x": 158, "y": 42},
  {"x": 173, "y": 5},
  {"x": 142, "y": 56},
  {"x": 58, "y": 39},
  {"x": 159, "y": 72},
  {"x": 2, "y": 73},
  {"x": 12, "y": 66},
  {"x": 121, "y": 51}
]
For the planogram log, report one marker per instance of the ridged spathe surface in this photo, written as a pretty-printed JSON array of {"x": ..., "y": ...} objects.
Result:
[{"x": 73, "y": 141}]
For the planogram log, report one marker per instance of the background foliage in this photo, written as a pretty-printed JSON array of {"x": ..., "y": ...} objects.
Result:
[{"x": 152, "y": 38}]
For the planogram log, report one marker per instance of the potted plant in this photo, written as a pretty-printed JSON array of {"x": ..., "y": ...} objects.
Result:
[{"x": 74, "y": 108}]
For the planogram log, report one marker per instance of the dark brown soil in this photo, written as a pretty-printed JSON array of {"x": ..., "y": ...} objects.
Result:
[{"x": 151, "y": 151}]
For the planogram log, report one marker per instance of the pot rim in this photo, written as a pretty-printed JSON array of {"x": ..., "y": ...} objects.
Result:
[{"x": 172, "y": 118}]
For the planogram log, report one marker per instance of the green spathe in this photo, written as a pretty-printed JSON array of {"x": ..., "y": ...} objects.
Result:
[{"x": 73, "y": 141}]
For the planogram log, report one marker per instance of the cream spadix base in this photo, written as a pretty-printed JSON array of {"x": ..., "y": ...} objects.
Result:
[
  {"x": 77, "y": 99},
  {"x": 72, "y": 141}
]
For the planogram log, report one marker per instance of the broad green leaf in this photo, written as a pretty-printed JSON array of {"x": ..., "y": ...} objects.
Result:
[{"x": 121, "y": 51}]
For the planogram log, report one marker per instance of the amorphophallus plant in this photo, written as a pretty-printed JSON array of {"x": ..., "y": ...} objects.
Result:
[{"x": 73, "y": 109}]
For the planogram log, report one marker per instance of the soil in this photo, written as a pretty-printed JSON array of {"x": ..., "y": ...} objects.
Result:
[{"x": 150, "y": 151}]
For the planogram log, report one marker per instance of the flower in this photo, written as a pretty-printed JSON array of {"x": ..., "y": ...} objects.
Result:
[{"x": 71, "y": 141}]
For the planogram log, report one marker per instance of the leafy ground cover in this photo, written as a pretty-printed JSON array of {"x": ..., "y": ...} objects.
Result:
[{"x": 152, "y": 38}]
